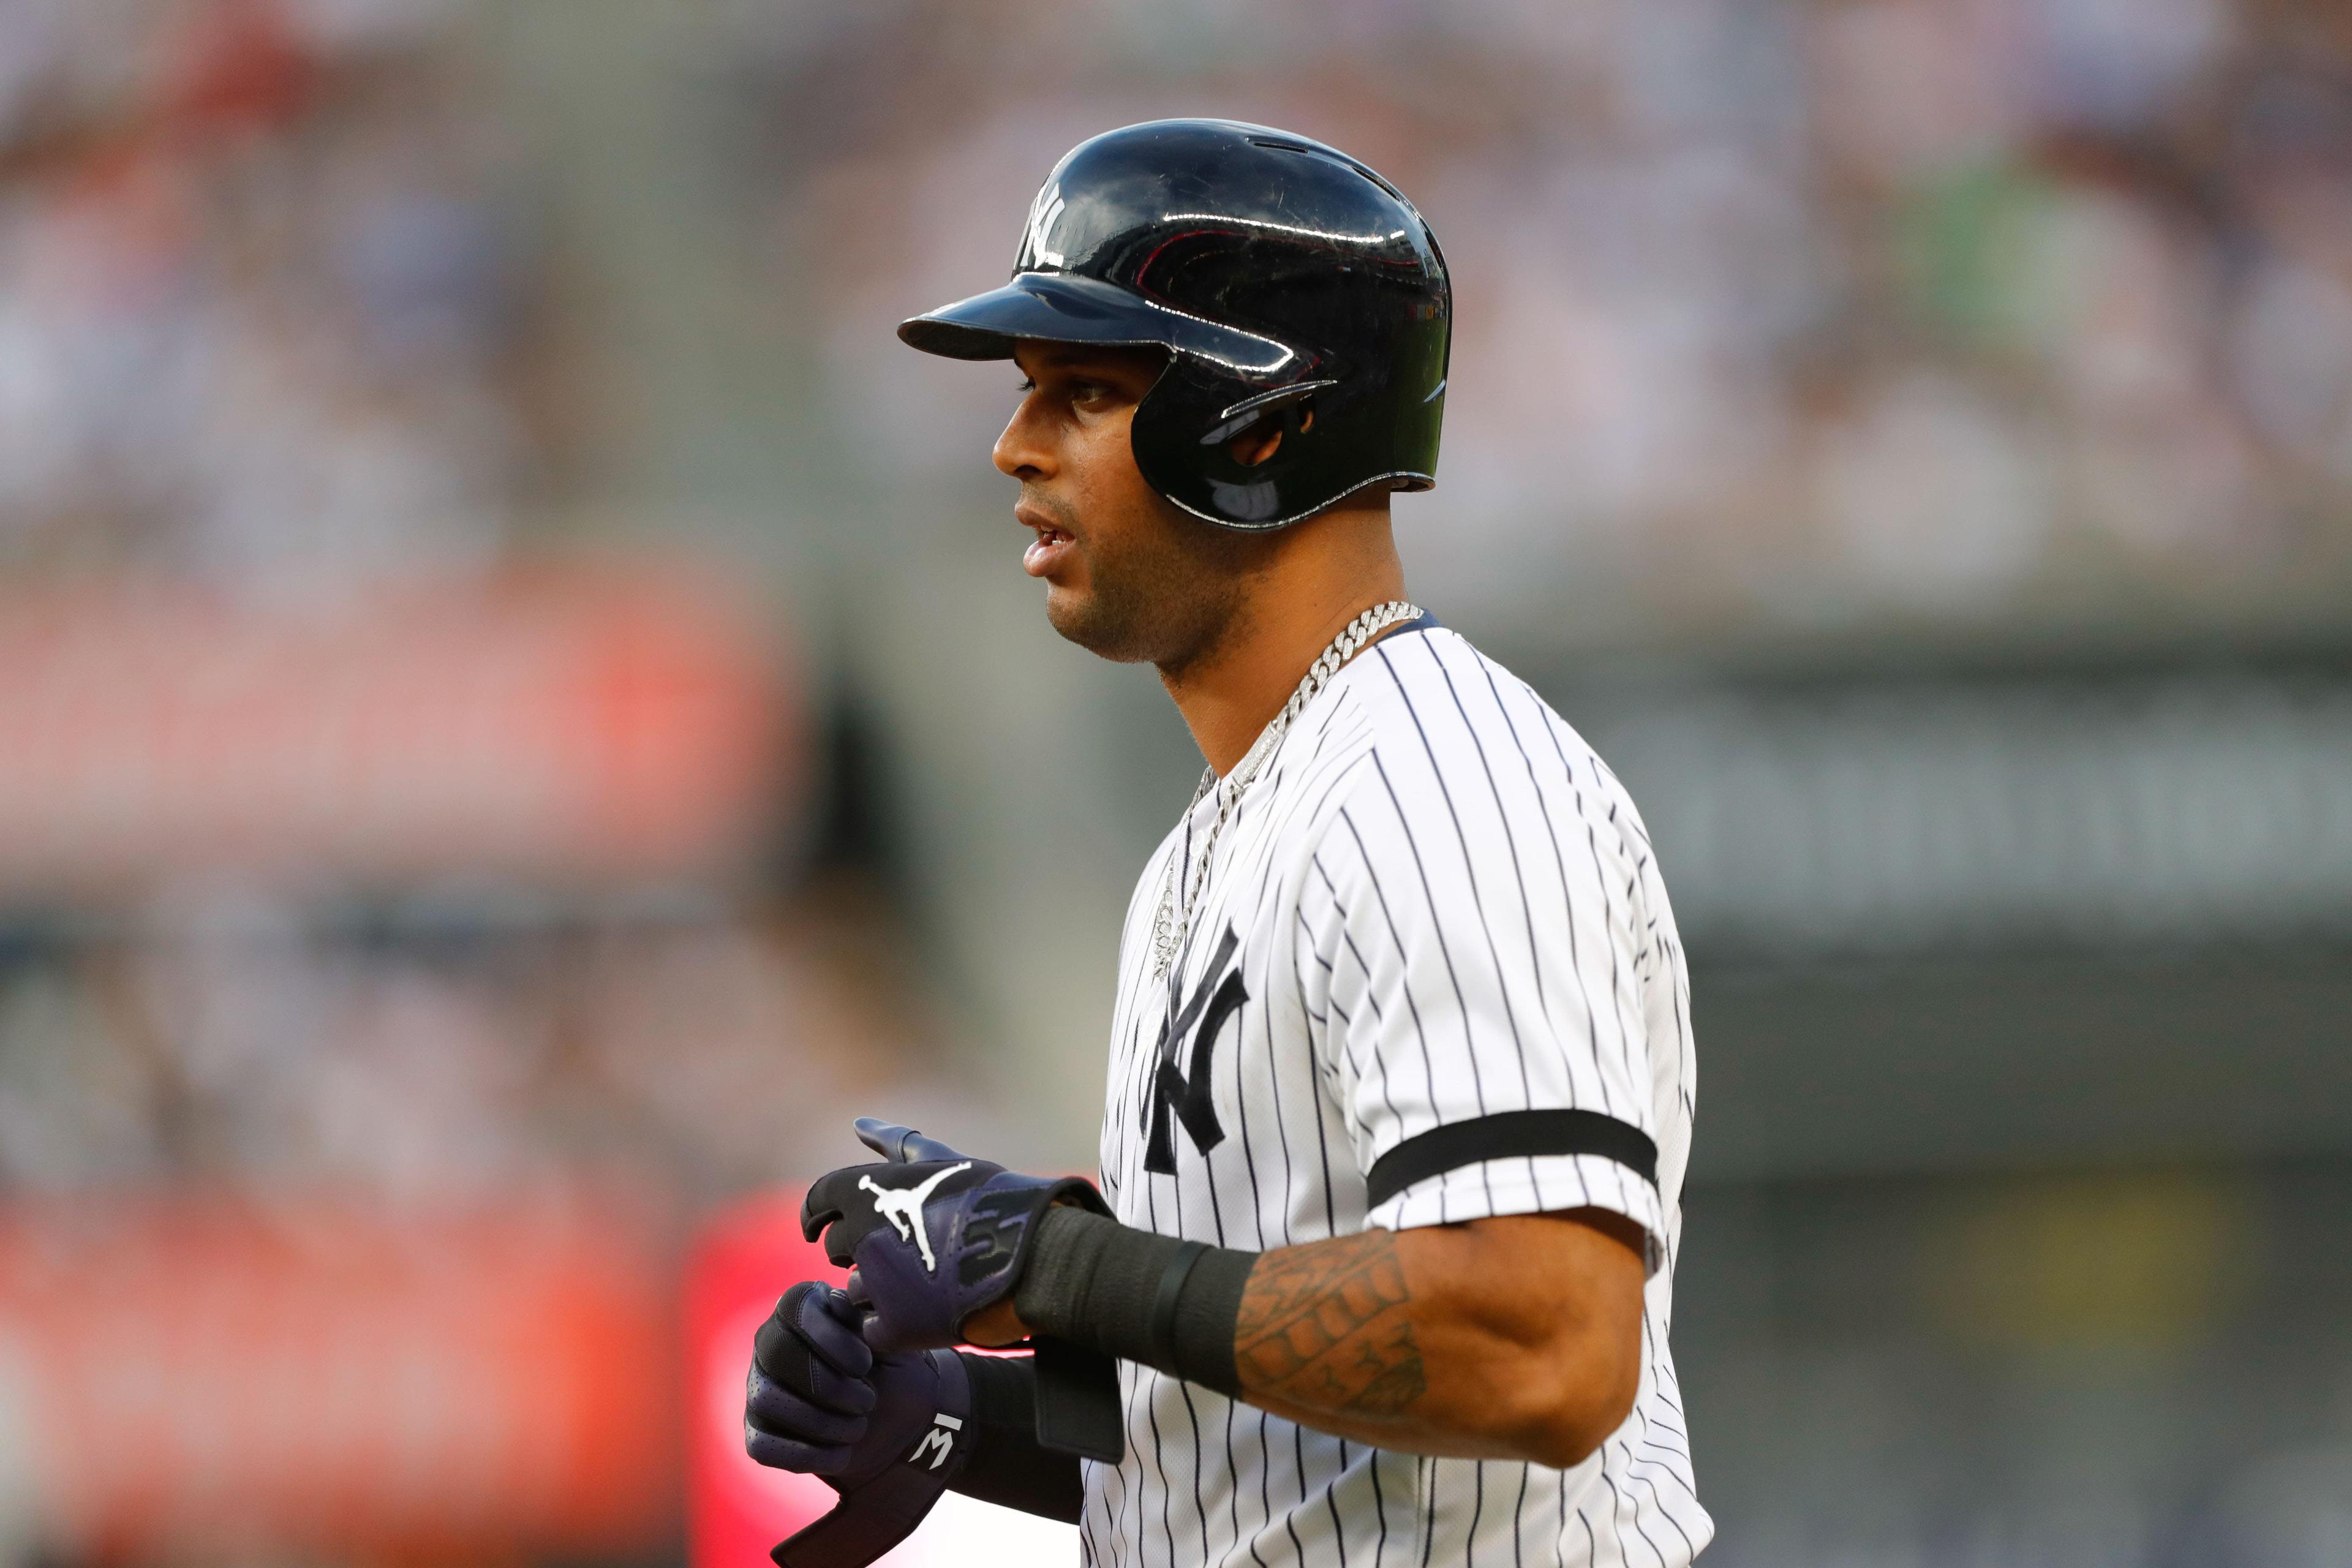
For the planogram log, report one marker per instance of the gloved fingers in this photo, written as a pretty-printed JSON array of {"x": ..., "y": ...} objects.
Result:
[
  {"x": 807, "y": 1347},
  {"x": 881, "y": 1337},
  {"x": 770, "y": 1407},
  {"x": 789, "y": 1454},
  {"x": 900, "y": 1145},
  {"x": 887, "y": 1339},
  {"x": 827, "y": 1200},
  {"x": 813, "y": 1381},
  {"x": 810, "y": 1319},
  {"x": 827, "y": 1321},
  {"x": 885, "y": 1138}
]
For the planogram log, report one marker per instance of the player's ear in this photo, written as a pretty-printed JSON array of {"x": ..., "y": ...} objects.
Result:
[{"x": 1258, "y": 443}]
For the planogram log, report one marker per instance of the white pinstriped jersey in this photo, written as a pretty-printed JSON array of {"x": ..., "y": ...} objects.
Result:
[{"x": 1432, "y": 909}]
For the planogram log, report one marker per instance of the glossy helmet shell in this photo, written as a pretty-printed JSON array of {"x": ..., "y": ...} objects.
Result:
[{"x": 1288, "y": 282}]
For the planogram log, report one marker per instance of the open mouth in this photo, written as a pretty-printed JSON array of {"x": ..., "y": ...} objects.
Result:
[{"x": 1046, "y": 551}]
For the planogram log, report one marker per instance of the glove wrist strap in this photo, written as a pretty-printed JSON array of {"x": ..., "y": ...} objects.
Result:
[{"x": 879, "y": 1512}]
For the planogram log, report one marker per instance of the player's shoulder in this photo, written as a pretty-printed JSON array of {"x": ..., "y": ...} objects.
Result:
[
  {"x": 1429, "y": 698},
  {"x": 1427, "y": 673},
  {"x": 1447, "y": 733}
]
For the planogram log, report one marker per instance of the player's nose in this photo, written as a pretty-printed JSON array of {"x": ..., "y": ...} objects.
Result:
[{"x": 1023, "y": 450}]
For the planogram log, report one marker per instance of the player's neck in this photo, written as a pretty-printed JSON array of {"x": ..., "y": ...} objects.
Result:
[{"x": 1341, "y": 564}]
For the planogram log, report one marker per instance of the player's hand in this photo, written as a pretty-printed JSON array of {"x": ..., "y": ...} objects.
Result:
[
  {"x": 819, "y": 1402},
  {"x": 934, "y": 1237}
]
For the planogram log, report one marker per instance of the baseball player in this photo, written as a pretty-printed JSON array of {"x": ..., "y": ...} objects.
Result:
[{"x": 1379, "y": 1265}]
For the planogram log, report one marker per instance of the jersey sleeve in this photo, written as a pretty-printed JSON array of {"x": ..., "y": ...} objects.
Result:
[{"x": 1469, "y": 937}]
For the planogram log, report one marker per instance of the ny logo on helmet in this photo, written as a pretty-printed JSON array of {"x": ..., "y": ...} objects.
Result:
[{"x": 1044, "y": 214}]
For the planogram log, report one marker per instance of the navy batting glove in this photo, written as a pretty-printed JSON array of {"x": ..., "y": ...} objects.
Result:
[
  {"x": 819, "y": 1402},
  {"x": 935, "y": 1237},
  {"x": 889, "y": 1433},
  {"x": 812, "y": 1386}
]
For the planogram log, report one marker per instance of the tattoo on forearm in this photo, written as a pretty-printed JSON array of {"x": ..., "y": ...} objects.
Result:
[{"x": 1328, "y": 1325}]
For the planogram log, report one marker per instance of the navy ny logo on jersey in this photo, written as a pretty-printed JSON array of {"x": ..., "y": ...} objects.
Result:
[{"x": 1184, "y": 1094}]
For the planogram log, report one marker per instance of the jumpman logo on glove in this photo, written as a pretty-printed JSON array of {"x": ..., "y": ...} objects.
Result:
[
  {"x": 903, "y": 1207},
  {"x": 934, "y": 1236}
]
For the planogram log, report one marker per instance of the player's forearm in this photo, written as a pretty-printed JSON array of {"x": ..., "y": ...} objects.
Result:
[
  {"x": 1514, "y": 1339},
  {"x": 1475, "y": 1342}
]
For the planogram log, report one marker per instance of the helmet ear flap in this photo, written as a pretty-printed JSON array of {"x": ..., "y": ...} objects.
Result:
[{"x": 1187, "y": 430}]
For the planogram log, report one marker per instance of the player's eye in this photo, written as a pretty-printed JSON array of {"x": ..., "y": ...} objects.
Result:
[{"x": 1027, "y": 384}]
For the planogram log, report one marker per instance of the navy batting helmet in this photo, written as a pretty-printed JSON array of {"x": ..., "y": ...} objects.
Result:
[{"x": 1288, "y": 282}]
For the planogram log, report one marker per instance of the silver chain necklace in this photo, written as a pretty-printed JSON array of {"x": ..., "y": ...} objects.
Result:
[{"x": 1173, "y": 921}]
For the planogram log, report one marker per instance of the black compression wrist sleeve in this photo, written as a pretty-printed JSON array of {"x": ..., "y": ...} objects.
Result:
[
  {"x": 1004, "y": 1463},
  {"x": 1152, "y": 1298}
]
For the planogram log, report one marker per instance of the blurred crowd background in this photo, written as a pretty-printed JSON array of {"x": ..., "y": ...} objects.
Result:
[{"x": 519, "y": 716}]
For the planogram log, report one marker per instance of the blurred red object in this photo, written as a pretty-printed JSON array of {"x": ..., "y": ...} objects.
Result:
[
  {"x": 564, "y": 727},
  {"x": 735, "y": 1510},
  {"x": 206, "y": 1379},
  {"x": 239, "y": 64}
]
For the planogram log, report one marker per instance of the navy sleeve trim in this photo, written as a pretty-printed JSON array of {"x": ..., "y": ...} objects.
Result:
[{"x": 1511, "y": 1135}]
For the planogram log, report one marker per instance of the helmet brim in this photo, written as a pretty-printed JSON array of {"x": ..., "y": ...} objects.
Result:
[{"x": 1061, "y": 307}]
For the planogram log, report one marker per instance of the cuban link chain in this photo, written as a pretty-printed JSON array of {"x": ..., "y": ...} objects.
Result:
[{"x": 1173, "y": 921}]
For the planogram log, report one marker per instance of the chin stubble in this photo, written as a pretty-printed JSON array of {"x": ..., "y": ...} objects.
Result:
[{"x": 1170, "y": 604}]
